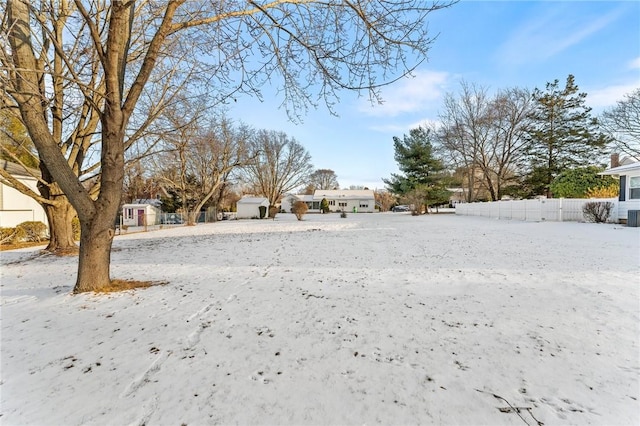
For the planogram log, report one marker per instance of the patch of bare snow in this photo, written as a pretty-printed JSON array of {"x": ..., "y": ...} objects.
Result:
[{"x": 372, "y": 319}]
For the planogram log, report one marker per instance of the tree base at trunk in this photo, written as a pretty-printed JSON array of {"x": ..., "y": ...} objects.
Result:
[
  {"x": 123, "y": 285},
  {"x": 63, "y": 251}
]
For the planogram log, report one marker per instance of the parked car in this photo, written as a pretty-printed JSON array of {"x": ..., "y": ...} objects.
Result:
[
  {"x": 400, "y": 209},
  {"x": 172, "y": 219}
]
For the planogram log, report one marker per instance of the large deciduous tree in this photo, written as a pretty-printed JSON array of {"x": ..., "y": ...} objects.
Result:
[
  {"x": 323, "y": 179},
  {"x": 315, "y": 48},
  {"x": 562, "y": 134},
  {"x": 622, "y": 122},
  {"x": 200, "y": 155},
  {"x": 281, "y": 164},
  {"x": 67, "y": 85},
  {"x": 484, "y": 137}
]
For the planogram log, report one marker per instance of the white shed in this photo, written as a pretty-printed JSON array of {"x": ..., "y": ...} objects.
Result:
[
  {"x": 249, "y": 207},
  {"x": 140, "y": 214},
  {"x": 629, "y": 196}
]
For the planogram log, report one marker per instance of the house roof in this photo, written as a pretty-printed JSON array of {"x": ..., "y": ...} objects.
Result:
[
  {"x": 135, "y": 205},
  {"x": 347, "y": 194},
  {"x": 152, "y": 201},
  {"x": 252, "y": 200},
  {"x": 17, "y": 170},
  {"x": 622, "y": 169}
]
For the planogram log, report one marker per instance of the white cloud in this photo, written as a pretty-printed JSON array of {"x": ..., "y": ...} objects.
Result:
[
  {"x": 409, "y": 95},
  {"x": 635, "y": 64},
  {"x": 608, "y": 96},
  {"x": 426, "y": 123},
  {"x": 546, "y": 36}
]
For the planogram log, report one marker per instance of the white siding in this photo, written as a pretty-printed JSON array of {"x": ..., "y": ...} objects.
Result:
[
  {"x": 628, "y": 204},
  {"x": 250, "y": 208},
  {"x": 15, "y": 207}
]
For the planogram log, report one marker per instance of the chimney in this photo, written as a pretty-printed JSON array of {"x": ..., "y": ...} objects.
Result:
[{"x": 615, "y": 160}]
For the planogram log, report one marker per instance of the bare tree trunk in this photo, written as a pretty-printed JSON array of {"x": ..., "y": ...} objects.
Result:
[
  {"x": 98, "y": 225},
  {"x": 96, "y": 239},
  {"x": 60, "y": 216},
  {"x": 192, "y": 217}
]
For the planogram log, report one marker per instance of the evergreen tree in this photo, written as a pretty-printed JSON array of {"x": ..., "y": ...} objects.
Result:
[
  {"x": 422, "y": 176},
  {"x": 562, "y": 134},
  {"x": 576, "y": 183}
]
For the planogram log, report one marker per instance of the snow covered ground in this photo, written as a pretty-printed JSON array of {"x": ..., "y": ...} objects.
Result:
[{"x": 372, "y": 319}]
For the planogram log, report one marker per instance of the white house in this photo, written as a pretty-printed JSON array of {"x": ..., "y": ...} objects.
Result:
[
  {"x": 349, "y": 200},
  {"x": 15, "y": 207},
  {"x": 629, "y": 196},
  {"x": 141, "y": 213},
  {"x": 249, "y": 207},
  {"x": 286, "y": 204}
]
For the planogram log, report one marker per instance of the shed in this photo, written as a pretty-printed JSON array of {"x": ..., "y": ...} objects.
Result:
[
  {"x": 249, "y": 207},
  {"x": 629, "y": 195},
  {"x": 140, "y": 214}
]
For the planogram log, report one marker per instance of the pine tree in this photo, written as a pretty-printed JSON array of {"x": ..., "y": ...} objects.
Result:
[
  {"x": 562, "y": 134},
  {"x": 422, "y": 172}
]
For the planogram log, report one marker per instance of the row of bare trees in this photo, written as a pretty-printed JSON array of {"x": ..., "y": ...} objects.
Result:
[{"x": 516, "y": 141}]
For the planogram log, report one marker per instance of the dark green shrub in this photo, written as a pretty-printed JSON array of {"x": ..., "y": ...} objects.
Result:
[
  {"x": 343, "y": 214},
  {"x": 33, "y": 231},
  {"x": 324, "y": 205}
]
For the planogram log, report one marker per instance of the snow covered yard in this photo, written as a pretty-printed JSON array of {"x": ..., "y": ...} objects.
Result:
[{"x": 372, "y": 319}]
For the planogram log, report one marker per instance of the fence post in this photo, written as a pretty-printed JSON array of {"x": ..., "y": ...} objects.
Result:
[{"x": 560, "y": 210}]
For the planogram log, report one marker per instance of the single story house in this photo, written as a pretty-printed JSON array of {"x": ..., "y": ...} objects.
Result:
[
  {"x": 16, "y": 207},
  {"x": 349, "y": 200},
  {"x": 249, "y": 207},
  {"x": 141, "y": 213},
  {"x": 629, "y": 196}
]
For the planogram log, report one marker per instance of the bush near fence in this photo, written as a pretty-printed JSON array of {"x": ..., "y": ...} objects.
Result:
[{"x": 538, "y": 210}]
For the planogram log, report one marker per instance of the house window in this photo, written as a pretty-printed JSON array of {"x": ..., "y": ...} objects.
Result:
[
  {"x": 634, "y": 188},
  {"x": 364, "y": 206},
  {"x": 128, "y": 214},
  {"x": 342, "y": 204},
  {"x": 332, "y": 202}
]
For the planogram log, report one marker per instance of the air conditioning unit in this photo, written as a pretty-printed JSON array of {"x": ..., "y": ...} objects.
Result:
[{"x": 633, "y": 218}]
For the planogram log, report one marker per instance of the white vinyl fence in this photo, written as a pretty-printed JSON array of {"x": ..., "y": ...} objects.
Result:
[{"x": 551, "y": 209}]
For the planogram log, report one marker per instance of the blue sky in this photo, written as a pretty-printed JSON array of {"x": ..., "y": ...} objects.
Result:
[{"x": 496, "y": 44}]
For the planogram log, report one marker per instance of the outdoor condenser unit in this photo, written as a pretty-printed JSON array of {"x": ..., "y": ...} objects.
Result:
[{"x": 633, "y": 218}]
